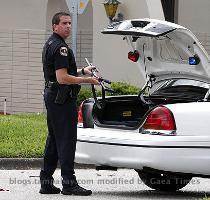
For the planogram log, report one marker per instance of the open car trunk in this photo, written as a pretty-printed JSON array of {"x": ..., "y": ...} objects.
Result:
[
  {"x": 120, "y": 112},
  {"x": 129, "y": 112},
  {"x": 164, "y": 52}
]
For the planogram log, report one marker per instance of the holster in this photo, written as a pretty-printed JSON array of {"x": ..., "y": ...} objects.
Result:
[{"x": 64, "y": 92}]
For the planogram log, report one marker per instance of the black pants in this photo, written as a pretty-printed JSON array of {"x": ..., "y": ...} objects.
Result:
[{"x": 62, "y": 136}]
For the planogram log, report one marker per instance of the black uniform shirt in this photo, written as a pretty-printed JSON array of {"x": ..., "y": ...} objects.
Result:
[{"x": 56, "y": 55}]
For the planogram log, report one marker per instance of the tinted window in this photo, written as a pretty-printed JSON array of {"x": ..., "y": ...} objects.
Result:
[{"x": 178, "y": 83}]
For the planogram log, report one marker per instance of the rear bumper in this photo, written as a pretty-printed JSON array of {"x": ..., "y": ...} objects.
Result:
[{"x": 159, "y": 152}]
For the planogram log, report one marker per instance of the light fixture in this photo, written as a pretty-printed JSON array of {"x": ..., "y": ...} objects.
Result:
[
  {"x": 195, "y": 60},
  {"x": 111, "y": 8}
]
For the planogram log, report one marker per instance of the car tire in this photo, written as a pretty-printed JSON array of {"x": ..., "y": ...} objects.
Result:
[{"x": 164, "y": 182}]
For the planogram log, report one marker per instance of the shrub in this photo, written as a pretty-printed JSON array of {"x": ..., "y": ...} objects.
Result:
[{"x": 120, "y": 88}]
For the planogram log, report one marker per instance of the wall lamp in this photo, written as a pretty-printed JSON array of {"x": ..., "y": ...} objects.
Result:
[{"x": 111, "y": 9}]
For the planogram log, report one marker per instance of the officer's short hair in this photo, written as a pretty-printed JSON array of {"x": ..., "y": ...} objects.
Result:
[{"x": 56, "y": 17}]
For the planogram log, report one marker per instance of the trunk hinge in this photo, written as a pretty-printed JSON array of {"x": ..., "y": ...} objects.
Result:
[
  {"x": 207, "y": 95},
  {"x": 150, "y": 80}
]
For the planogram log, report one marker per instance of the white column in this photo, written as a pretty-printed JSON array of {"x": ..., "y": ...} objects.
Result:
[
  {"x": 155, "y": 9},
  {"x": 73, "y": 8}
]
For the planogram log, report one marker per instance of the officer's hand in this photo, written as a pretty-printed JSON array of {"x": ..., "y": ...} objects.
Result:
[
  {"x": 88, "y": 69},
  {"x": 93, "y": 80}
]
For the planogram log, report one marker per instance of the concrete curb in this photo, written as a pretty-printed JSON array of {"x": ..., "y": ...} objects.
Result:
[{"x": 31, "y": 163}]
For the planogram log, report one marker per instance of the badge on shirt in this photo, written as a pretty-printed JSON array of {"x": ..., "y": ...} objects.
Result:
[{"x": 63, "y": 51}]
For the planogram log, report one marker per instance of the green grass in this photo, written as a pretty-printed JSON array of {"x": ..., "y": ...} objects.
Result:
[{"x": 22, "y": 135}]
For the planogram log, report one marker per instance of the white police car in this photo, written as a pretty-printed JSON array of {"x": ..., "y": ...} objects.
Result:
[{"x": 163, "y": 133}]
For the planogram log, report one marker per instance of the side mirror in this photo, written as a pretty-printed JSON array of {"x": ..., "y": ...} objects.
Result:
[
  {"x": 195, "y": 60},
  {"x": 133, "y": 56}
]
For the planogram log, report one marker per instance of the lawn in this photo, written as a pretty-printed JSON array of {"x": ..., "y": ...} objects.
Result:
[{"x": 22, "y": 135}]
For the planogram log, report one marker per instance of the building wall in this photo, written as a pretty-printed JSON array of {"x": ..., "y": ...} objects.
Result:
[
  {"x": 21, "y": 76},
  {"x": 37, "y": 14},
  {"x": 195, "y": 16},
  {"x": 22, "y": 14},
  {"x": 21, "y": 79},
  {"x": 21, "y": 40},
  {"x": 22, "y": 33},
  {"x": 29, "y": 24},
  {"x": 85, "y": 21},
  {"x": 84, "y": 29}
]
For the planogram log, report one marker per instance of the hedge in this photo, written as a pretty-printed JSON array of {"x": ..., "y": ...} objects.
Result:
[{"x": 120, "y": 88}]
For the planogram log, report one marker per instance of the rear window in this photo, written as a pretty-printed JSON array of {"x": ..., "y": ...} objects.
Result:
[{"x": 178, "y": 82}]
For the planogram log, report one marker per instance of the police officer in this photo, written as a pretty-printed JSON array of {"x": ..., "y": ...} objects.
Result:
[{"x": 61, "y": 89}]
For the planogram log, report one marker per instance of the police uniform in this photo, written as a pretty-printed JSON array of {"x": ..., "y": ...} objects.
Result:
[{"x": 61, "y": 117}]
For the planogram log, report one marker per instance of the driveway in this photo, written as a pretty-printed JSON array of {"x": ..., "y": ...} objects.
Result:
[{"x": 122, "y": 184}]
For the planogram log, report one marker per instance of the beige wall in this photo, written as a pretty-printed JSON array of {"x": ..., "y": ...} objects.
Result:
[
  {"x": 85, "y": 21},
  {"x": 37, "y": 14},
  {"x": 22, "y": 14},
  {"x": 84, "y": 29},
  {"x": 23, "y": 32},
  {"x": 54, "y": 6},
  {"x": 22, "y": 35},
  {"x": 194, "y": 15},
  {"x": 110, "y": 52}
]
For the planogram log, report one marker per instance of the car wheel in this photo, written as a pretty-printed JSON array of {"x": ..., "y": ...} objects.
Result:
[{"x": 164, "y": 182}]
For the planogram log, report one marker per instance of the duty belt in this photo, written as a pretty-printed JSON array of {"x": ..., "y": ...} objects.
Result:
[
  {"x": 63, "y": 91},
  {"x": 49, "y": 84}
]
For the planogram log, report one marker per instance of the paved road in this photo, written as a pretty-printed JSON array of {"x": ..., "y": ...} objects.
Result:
[{"x": 120, "y": 185}]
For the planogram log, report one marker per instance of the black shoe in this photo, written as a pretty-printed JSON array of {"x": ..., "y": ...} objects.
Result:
[
  {"x": 76, "y": 190},
  {"x": 49, "y": 189}
]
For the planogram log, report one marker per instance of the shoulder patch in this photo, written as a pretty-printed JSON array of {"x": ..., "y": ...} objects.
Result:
[{"x": 63, "y": 51}]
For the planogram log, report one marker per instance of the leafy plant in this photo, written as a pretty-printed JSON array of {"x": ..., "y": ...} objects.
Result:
[
  {"x": 205, "y": 198},
  {"x": 120, "y": 88}
]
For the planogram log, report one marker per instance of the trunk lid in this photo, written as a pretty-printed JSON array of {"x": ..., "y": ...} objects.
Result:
[{"x": 165, "y": 49}]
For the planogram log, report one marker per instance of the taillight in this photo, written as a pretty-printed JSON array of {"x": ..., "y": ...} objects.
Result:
[
  {"x": 161, "y": 118},
  {"x": 80, "y": 115}
]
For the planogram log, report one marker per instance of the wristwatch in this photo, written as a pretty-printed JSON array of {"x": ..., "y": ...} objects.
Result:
[{"x": 83, "y": 71}]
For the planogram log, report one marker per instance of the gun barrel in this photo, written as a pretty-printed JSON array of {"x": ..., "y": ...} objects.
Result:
[{"x": 87, "y": 61}]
